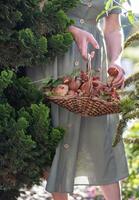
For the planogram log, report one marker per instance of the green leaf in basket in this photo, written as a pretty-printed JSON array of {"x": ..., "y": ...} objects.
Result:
[
  {"x": 50, "y": 82},
  {"x": 47, "y": 81},
  {"x": 104, "y": 96},
  {"x": 56, "y": 82},
  {"x": 49, "y": 93},
  {"x": 75, "y": 72}
]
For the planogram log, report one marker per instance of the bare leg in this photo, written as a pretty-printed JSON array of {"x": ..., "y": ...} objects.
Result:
[
  {"x": 112, "y": 191},
  {"x": 56, "y": 195},
  {"x": 60, "y": 196}
]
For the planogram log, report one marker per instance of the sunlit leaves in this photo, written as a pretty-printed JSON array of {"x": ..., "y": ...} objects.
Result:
[
  {"x": 108, "y": 4},
  {"x": 131, "y": 17},
  {"x": 114, "y": 4}
]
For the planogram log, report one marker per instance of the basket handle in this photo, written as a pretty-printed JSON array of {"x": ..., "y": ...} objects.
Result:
[
  {"x": 89, "y": 64},
  {"x": 89, "y": 68}
]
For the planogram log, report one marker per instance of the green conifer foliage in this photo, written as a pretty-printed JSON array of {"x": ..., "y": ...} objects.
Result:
[
  {"x": 27, "y": 139},
  {"x": 31, "y": 34}
]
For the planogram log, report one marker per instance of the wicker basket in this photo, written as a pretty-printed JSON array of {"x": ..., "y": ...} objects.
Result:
[{"x": 86, "y": 106}]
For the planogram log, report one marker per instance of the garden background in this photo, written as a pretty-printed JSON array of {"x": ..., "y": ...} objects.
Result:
[{"x": 32, "y": 33}]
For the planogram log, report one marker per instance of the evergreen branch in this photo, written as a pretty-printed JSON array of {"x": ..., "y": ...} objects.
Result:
[
  {"x": 120, "y": 129},
  {"x": 131, "y": 140},
  {"x": 131, "y": 79},
  {"x": 132, "y": 115},
  {"x": 131, "y": 39},
  {"x": 122, "y": 125}
]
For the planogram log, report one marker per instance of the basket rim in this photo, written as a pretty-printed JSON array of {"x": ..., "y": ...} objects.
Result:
[{"x": 67, "y": 97}]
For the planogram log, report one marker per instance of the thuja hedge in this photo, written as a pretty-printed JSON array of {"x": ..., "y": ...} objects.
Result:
[
  {"x": 27, "y": 139},
  {"x": 31, "y": 33}
]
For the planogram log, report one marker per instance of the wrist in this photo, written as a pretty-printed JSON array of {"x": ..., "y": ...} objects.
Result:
[
  {"x": 115, "y": 61},
  {"x": 73, "y": 29}
]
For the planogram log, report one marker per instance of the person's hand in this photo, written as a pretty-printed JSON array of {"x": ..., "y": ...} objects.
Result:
[
  {"x": 82, "y": 39},
  {"x": 117, "y": 73}
]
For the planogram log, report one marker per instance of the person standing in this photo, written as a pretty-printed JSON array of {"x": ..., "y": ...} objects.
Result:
[{"x": 85, "y": 155}]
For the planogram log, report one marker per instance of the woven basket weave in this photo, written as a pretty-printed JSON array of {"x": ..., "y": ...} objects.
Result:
[{"x": 86, "y": 106}]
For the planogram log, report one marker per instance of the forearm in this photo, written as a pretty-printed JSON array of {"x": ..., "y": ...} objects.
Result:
[{"x": 114, "y": 44}]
